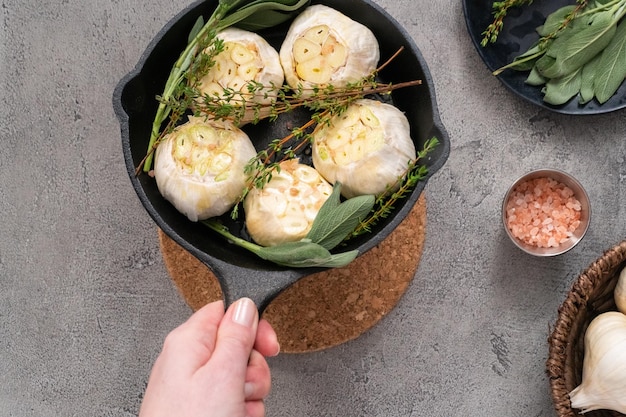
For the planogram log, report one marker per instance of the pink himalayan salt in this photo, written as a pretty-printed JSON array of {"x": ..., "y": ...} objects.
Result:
[{"x": 542, "y": 212}]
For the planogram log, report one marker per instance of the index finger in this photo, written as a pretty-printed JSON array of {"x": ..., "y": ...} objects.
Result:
[{"x": 193, "y": 342}]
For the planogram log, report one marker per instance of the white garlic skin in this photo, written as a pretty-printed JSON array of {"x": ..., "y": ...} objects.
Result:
[
  {"x": 604, "y": 366},
  {"x": 367, "y": 149},
  {"x": 358, "y": 51},
  {"x": 285, "y": 208},
  {"x": 620, "y": 292},
  {"x": 199, "y": 167},
  {"x": 256, "y": 61}
]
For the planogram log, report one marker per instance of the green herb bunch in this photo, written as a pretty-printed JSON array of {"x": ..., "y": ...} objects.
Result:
[{"x": 581, "y": 52}]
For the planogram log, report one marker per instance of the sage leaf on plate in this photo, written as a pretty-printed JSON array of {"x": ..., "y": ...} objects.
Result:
[
  {"x": 581, "y": 51},
  {"x": 554, "y": 20},
  {"x": 585, "y": 44},
  {"x": 611, "y": 68},
  {"x": 560, "y": 90},
  {"x": 535, "y": 78},
  {"x": 588, "y": 77},
  {"x": 527, "y": 60},
  {"x": 547, "y": 67},
  {"x": 336, "y": 221}
]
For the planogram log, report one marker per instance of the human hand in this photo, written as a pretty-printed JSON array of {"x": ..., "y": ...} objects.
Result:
[{"x": 213, "y": 365}]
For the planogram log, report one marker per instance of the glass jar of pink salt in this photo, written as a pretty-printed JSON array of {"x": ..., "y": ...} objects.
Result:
[{"x": 546, "y": 212}]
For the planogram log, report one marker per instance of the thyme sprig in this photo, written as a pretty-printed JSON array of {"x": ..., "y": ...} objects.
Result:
[
  {"x": 500, "y": 10},
  {"x": 385, "y": 203},
  {"x": 260, "y": 169},
  {"x": 242, "y": 107}
]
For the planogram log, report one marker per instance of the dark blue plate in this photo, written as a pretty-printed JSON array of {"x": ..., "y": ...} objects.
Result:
[{"x": 516, "y": 37}]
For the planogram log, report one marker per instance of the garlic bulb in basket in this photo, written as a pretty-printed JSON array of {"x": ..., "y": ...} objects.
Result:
[
  {"x": 604, "y": 366},
  {"x": 246, "y": 57},
  {"x": 285, "y": 208},
  {"x": 199, "y": 167},
  {"x": 324, "y": 46},
  {"x": 367, "y": 148}
]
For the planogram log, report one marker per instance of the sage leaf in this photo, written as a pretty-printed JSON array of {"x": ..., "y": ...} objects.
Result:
[
  {"x": 554, "y": 20},
  {"x": 255, "y": 12},
  {"x": 319, "y": 231},
  {"x": 340, "y": 259},
  {"x": 333, "y": 225},
  {"x": 535, "y": 78},
  {"x": 611, "y": 69},
  {"x": 585, "y": 44},
  {"x": 527, "y": 60},
  {"x": 195, "y": 30},
  {"x": 560, "y": 90},
  {"x": 305, "y": 254},
  {"x": 587, "y": 84},
  {"x": 547, "y": 67},
  {"x": 561, "y": 39},
  {"x": 332, "y": 201},
  {"x": 292, "y": 253},
  {"x": 255, "y": 23}
]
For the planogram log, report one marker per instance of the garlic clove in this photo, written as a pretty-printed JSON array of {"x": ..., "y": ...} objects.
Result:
[{"x": 604, "y": 366}]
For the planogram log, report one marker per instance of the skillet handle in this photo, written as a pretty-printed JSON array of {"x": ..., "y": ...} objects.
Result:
[{"x": 261, "y": 286}]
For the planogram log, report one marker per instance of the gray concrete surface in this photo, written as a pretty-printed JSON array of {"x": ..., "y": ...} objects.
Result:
[{"x": 85, "y": 300}]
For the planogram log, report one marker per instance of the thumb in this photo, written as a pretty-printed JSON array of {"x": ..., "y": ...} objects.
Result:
[{"x": 236, "y": 336}]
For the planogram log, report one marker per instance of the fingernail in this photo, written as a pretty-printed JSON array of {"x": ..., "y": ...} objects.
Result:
[
  {"x": 245, "y": 312},
  {"x": 248, "y": 390}
]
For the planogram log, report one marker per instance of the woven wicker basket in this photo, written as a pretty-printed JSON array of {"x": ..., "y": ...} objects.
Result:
[{"x": 591, "y": 294}]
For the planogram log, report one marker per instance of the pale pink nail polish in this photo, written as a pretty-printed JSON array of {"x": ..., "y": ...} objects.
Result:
[{"x": 245, "y": 312}]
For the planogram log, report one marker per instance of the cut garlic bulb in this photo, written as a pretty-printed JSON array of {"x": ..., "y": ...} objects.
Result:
[
  {"x": 620, "y": 292},
  {"x": 246, "y": 57},
  {"x": 366, "y": 149},
  {"x": 604, "y": 365},
  {"x": 199, "y": 167},
  {"x": 285, "y": 208},
  {"x": 323, "y": 46}
]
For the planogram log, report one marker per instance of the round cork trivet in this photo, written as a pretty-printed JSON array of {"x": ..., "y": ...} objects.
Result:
[{"x": 327, "y": 308}]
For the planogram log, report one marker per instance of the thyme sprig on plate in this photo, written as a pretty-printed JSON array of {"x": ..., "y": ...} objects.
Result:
[{"x": 500, "y": 10}]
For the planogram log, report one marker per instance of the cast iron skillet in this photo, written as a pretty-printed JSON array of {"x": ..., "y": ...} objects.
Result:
[{"x": 240, "y": 272}]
